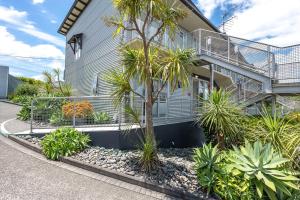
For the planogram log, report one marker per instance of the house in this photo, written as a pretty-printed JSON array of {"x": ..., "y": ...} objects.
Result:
[
  {"x": 8, "y": 83},
  {"x": 254, "y": 71},
  {"x": 91, "y": 51},
  {"x": 3, "y": 81}
]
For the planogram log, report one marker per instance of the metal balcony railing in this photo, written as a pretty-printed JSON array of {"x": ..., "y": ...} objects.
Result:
[{"x": 282, "y": 64}]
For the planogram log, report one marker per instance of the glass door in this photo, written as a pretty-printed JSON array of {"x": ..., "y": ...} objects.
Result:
[{"x": 200, "y": 91}]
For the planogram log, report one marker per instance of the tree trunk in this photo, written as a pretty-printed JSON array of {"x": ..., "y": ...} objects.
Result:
[
  {"x": 149, "y": 116},
  {"x": 221, "y": 141}
]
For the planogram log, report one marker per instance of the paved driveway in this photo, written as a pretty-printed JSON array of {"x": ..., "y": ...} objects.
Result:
[
  {"x": 23, "y": 176},
  {"x": 8, "y": 111}
]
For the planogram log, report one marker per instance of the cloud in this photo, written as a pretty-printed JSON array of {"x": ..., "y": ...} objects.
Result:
[
  {"x": 275, "y": 22},
  {"x": 11, "y": 46},
  {"x": 38, "y": 1},
  {"x": 53, "y": 21},
  {"x": 19, "y": 19},
  {"x": 29, "y": 63}
]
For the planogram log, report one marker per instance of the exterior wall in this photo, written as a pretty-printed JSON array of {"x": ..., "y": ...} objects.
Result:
[
  {"x": 13, "y": 83},
  {"x": 99, "y": 51},
  {"x": 99, "y": 54},
  {"x": 3, "y": 81}
]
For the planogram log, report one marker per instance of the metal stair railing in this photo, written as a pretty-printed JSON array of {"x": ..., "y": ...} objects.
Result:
[
  {"x": 242, "y": 92},
  {"x": 281, "y": 64}
]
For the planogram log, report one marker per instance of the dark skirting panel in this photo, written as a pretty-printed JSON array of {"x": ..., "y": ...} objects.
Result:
[{"x": 179, "y": 135}]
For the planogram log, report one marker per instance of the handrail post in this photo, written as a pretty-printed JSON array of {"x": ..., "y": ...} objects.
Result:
[
  {"x": 269, "y": 64},
  {"x": 120, "y": 113},
  {"x": 199, "y": 48},
  {"x": 74, "y": 113},
  {"x": 228, "y": 47},
  {"x": 31, "y": 116}
]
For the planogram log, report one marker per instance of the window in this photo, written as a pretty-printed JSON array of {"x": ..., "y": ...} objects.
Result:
[
  {"x": 77, "y": 50},
  {"x": 76, "y": 45},
  {"x": 160, "y": 106},
  {"x": 95, "y": 84}
]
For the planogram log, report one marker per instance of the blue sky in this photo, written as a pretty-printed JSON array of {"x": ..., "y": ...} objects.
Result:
[{"x": 28, "y": 28}]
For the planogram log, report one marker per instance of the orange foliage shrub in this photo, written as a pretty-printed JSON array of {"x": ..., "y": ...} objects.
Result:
[{"x": 81, "y": 109}]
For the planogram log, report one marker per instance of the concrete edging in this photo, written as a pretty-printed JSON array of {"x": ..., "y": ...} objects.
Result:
[
  {"x": 112, "y": 174},
  {"x": 10, "y": 102}
]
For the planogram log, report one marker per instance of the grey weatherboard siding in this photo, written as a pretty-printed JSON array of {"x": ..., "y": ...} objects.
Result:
[{"x": 99, "y": 51}]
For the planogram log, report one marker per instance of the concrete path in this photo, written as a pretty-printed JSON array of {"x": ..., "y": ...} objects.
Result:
[
  {"x": 23, "y": 176},
  {"x": 8, "y": 121},
  {"x": 8, "y": 111}
]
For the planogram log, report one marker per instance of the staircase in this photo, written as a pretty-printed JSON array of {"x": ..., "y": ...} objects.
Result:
[{"x": 275, "y": 69}]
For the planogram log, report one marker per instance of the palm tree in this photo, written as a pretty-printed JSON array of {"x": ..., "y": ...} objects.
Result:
[
  {"x": 222, "y": 117},
  {"x": 50, "y": 79},
  {"x": 149, "y": 62}
]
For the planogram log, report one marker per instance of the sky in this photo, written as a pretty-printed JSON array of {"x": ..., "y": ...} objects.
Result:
[{"x": 28, "y": 28}]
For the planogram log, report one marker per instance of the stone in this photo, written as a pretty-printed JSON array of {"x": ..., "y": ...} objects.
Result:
[{"x": 176, "y": 169}]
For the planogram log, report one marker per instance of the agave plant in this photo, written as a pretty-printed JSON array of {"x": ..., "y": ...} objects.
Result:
[
  {"x": 207, "y": 160},
  {"x": 263, "y": 166}
]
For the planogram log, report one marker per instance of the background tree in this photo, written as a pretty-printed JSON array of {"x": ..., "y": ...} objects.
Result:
[
  {"x": 50, "y": 83},
  {"x": 149, "y": 62}
]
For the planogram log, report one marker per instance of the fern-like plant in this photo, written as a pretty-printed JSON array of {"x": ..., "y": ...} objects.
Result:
[{"x": 263, "y": 167}]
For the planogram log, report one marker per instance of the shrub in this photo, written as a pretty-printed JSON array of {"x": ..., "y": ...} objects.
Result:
[
  {"x": 26, "y": 90},
  {"x": 222, "y": 117},
  {"x": 207, "y": 161},
  {"x": 82, "y": 109},
  {"x": 25, "y": 113},
  {"x": 149, "y": 160},
  {"x": 30, "y": 81},
  {"x": 214, "y": 175},
  {"x": 56, "y": 118},
  {"x": 21, "y": 99},
  {"x": 101, "y": 117},
  {"x": 263, "y": 167},
  {"x": 278, "y": 131},
  {"x": 63, "y": 142},
  {"x": 293, "y": 118}
]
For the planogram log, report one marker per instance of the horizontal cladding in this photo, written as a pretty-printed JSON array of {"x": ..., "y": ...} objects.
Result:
[{"x": 99, "y": 52}]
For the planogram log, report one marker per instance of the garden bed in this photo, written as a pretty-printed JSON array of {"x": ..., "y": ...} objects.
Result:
[{"x": 175, "y": 171}]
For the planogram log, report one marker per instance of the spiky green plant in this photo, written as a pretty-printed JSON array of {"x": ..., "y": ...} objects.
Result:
[
  {"x": 284, "y": 136},
  {"x": 207, "y": 160},
  {"x": 222, "y": 117},
  {"x": 149, "y": 159},
  {"x": 263, "y": 167}
]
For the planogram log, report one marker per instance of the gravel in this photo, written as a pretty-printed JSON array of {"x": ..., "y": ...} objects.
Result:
[{"x": 175, "y": 169}]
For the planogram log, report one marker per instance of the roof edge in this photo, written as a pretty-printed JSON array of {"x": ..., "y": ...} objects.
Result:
[{"x": 188, "y": 3}]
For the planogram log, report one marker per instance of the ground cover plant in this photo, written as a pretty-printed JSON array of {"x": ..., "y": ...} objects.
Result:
[{"x": 64, "y": 142}]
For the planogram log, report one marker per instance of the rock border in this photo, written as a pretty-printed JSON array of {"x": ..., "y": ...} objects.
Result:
[{"x": 112, "y": 174}]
